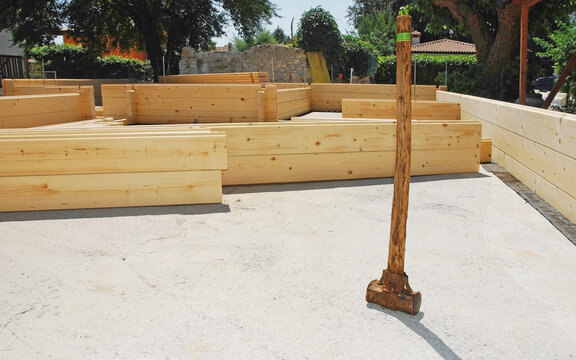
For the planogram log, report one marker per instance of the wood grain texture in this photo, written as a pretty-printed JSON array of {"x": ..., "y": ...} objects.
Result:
[
  {"x": 55, "y": 192},
  {"x": 38, "y": 110},
  {"x": 328, "y": 97},
  {"x": 386, "y": 109},
  {"x": 111, "y": 154},
  {"x": 219, "y": 78},
  {"x": 396, "y": 250}
]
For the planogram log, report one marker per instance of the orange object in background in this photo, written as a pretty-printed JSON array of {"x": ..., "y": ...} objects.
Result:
[{"x": 133, "y": 53}]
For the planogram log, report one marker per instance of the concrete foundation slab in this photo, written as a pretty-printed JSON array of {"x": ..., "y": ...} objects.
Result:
[{"x": 280, "y": 272}]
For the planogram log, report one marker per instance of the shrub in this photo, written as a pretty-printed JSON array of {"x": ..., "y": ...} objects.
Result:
[
  {"x": 76, "y": 62},
  {"x": 360, "y": 55},
  {"x": 431, "y": 70}
]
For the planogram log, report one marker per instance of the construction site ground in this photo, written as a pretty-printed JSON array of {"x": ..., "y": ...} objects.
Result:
[{"x": 280, "y": 272}]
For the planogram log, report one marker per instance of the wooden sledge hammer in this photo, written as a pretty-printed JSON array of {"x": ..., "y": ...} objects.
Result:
[{"x": 392, "y": 290}]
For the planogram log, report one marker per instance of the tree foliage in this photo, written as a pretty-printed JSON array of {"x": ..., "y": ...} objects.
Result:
[
  {"x": 495, "y": 30},
  {"x": 359, "y": 55},
  {"x": 32, "y": 22},
  {"x": 379, "y": 29},
  {"x": 280, "y": 36},
  {"x": 560, "y": 47},
  {"x": 318, "y": 31},
  {"x": 162, "y": 27},
  {"x": 76, "y": 62}
]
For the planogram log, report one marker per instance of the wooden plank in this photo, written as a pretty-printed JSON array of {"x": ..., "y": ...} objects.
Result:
[
  {"x": 153, "y": 117},
  {"x": 111, "y": 154},
  {"x": 552, "y": 194},
  {"x": 486, "y": 151},
  {"x": 282, "y": 86},
  {"x": 209, "y": 91},
  {"x": 114, "y": 100},
  {"x": 287, "y": 138},
  {"x": 328, "y": 97},
  {"x": 447, "y": 96},
  {"x": 217, "y": 78},
  {"x": 39, "y": 110},
  {"x": 261, "y": 105},
  {"x": 271, "y": 103},
  {"x": 266, "y": 169},
  {"x": 386, "y": 109},
  {"x": 87, "y": 102},
  {"x": 553, "y": 166},
  {"x": 144, "y": 103},
  {"x": 20, "y": 90},
  {"x": 551, "y": 129},
  {"x": 22, "y": 193}
]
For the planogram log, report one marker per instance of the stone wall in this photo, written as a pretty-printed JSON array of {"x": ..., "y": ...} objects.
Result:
[{"x": 283, "y": 64}]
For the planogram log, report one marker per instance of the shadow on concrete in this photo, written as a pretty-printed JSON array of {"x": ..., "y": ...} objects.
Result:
[
  {"x": 323, "y": 185},
  {"x": 413, "y": 323},
  {"x": 114, "y": 212}
]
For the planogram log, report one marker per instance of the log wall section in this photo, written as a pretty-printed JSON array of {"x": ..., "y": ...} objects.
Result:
[
  {"x": 298, "y": 152},
  {"x": 293, "y": 102},
  {"x": 95, "y": 83},
  {"x": 218, "y": 78},
  {"x": 70, "y": 169},
  {"x": 537, "y": 146},
  {"x": 40, "y": 110},
  {"x": 190, "y": 103},
  {"x": 328, "y": 97},
  {"x": 386, "y": 109}
]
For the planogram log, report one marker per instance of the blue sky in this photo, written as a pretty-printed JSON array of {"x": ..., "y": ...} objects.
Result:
[{"x": 295, "y": 9}]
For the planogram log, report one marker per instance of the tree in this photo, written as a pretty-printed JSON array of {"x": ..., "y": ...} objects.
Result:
[
  {"x": 263, "y": 37},
  {"x": 495, "y": 30},
  {"x": 359, "y": 55},
  {"x": 31, "y": 21},
  {"x": 162, "y": 27},
  {"x": 369, "y": 11},
  {"x": 379, "y": 29},
  {"x": 280, "y": 35},
  {"x": 560, "y": 47},
  {"x": 318, "y": 31}
]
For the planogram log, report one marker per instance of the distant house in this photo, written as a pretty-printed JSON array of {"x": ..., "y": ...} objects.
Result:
[
  {"x": 444, "y": 47},
  {"x": 12, "y": 61}
]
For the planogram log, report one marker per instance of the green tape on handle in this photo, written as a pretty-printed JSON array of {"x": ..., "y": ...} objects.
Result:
[{"x": 403, "y": 37}]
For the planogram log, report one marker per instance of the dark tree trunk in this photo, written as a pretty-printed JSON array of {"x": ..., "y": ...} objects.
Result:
[
  {"x": 147, "y": 24},
  {"x": 495, "y": 50}
]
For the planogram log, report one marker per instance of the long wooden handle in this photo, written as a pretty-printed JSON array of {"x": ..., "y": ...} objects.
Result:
[{"x": 403, "y": 145}]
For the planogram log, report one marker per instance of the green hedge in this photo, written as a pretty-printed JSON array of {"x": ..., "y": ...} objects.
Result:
[
  {"x": 76, "y": 62},
  {"x": 431, "y": 70}
]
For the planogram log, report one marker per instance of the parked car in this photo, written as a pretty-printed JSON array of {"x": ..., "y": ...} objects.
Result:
[{"x": 544, "y": 83}]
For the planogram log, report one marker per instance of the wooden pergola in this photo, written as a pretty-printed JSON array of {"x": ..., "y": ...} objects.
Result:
[{"x": 526, "y": 5}]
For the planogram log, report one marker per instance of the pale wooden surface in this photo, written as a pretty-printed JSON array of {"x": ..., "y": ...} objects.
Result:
[
  {"x": 38, "y": 110},
  {"x": 536, "y": 146},
  {"x": 296, "y": 152},
  {"x": 49, "y": 192},
  {"x": 216, "y": 78},
  {"x": 386, "y": 109},
  {"x": 328, "y": 97}
]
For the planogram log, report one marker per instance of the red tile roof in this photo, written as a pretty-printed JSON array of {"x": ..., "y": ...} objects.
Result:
[{"x": 444, "y": 46}]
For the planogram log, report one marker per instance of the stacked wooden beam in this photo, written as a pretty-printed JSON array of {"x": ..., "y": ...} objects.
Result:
[
  {"x": 112, "y": 167},
  {"x": 40, "y": 110},
  {"x": 219, "y": 78},
  {"x": 293, "y": 102},
  {"x": 190, "y": 103},
  {"x": 386, "y": 109},
  {"x": 328, "y": 97},
  {"x": 9, "y": 85},
  {"x": 297, "y": 152}
]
